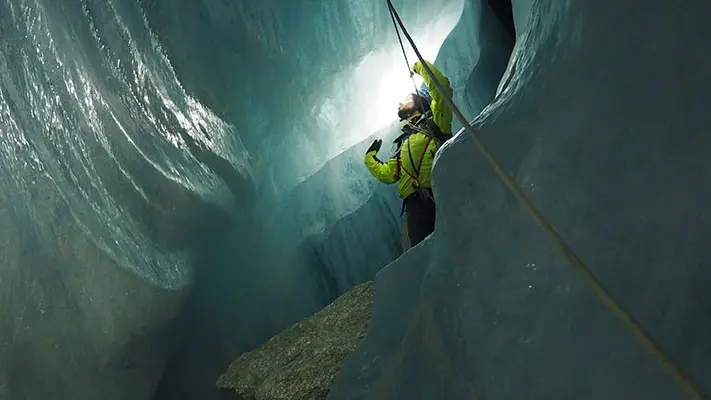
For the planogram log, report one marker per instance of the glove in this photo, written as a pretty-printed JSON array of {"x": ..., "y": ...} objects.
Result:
[
  {"x": 375, "y": 146},
  {"x": 415, "y": 67}
]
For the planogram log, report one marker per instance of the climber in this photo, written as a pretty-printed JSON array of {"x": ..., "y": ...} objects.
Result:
[{"x": 426, "y": 124}]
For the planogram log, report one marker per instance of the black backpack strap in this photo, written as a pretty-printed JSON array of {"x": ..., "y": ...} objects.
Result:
[{"x": 426, "y": 125}]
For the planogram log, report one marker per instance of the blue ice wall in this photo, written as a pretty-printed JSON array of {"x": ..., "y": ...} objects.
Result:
[
  {"x": 602, "y": 119},
  {"x": 180, "y": 181},
  {"x": 283, "y": 73},
  {"x": 321, "y": 223},
  {"x": 110, "y": 173}
]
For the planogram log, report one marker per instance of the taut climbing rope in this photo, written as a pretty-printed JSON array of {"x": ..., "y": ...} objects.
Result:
[
  {"x": 629, "y": 322},
  {"x": 404, "y": 54}
]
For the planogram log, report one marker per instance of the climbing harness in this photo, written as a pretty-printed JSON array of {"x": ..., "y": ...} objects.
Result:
[
  {"x": 433, "y": 134},
  {"x": 674, "y": 370}
]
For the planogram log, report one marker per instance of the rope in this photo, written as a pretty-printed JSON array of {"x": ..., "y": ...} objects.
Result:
[
  {"x": 393, "y": 13},
  {"x": 686, "y": 383}
]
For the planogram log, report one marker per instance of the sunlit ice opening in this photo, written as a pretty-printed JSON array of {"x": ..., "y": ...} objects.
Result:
[{"x": 374, "y": 88}]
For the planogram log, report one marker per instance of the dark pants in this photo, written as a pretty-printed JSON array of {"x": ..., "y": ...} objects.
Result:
[{"x": 420, "y": 214}]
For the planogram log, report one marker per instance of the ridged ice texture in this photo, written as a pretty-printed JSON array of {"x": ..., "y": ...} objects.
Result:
[
  {"x": 603, "y": 119},
  {"x": 109, "y": 173},
  {"x": 140, "y": 138},
  {"x": 285, "y": 71}
]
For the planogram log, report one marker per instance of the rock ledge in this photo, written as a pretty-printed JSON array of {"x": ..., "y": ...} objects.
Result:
[{"x": 302, "y": 362}]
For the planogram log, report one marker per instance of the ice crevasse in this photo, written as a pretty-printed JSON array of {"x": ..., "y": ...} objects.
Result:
[{"x": 180, "y": 182}]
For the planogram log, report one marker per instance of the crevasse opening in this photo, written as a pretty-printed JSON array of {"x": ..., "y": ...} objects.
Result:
[
  {"x": 182, "y": 181},
  {"x": 366, "y": 96}
]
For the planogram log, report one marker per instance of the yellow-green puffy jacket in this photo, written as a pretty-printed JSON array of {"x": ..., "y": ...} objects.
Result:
[{"x": 418, "y": 150}]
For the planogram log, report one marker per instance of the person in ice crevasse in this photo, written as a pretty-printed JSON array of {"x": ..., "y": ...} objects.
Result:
[{"x": 426, "y": 124}]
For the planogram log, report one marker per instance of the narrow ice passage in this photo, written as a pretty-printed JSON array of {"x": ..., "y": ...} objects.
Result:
[{"x": 181, "y": 181}]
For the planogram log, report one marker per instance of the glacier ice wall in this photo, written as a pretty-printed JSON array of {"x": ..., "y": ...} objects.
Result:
[
  {"x": 110, "y": 174},
  {"x": 186, "y": 179},
  {"x": 299, "y": 80},
  {"x": 166, "y": 168},
  {"x": 321, "y": 224},
  {"x": 602, "y": 119}
]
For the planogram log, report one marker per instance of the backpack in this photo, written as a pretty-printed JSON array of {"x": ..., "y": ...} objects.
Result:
[{"x": 424, "y": 124}]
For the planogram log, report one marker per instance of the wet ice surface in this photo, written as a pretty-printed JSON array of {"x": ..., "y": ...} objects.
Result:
[
  {"x": 144, "y": 160},
  {"x": 602, "y": 120},
  {"x": 140, "y": 152}
]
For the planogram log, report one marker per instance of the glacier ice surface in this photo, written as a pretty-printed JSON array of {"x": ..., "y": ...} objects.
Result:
[
  {"x": 181, "y": 181},
  {"x": 601, "y": 118}
]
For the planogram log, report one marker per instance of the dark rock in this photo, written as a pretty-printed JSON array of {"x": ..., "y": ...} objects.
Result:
[{"x": 303, "y": 361}]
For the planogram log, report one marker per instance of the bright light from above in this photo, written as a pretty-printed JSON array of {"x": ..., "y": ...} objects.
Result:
[
  {"x": 389, "y": 83},
  {"x": 370, "y": 93}
]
